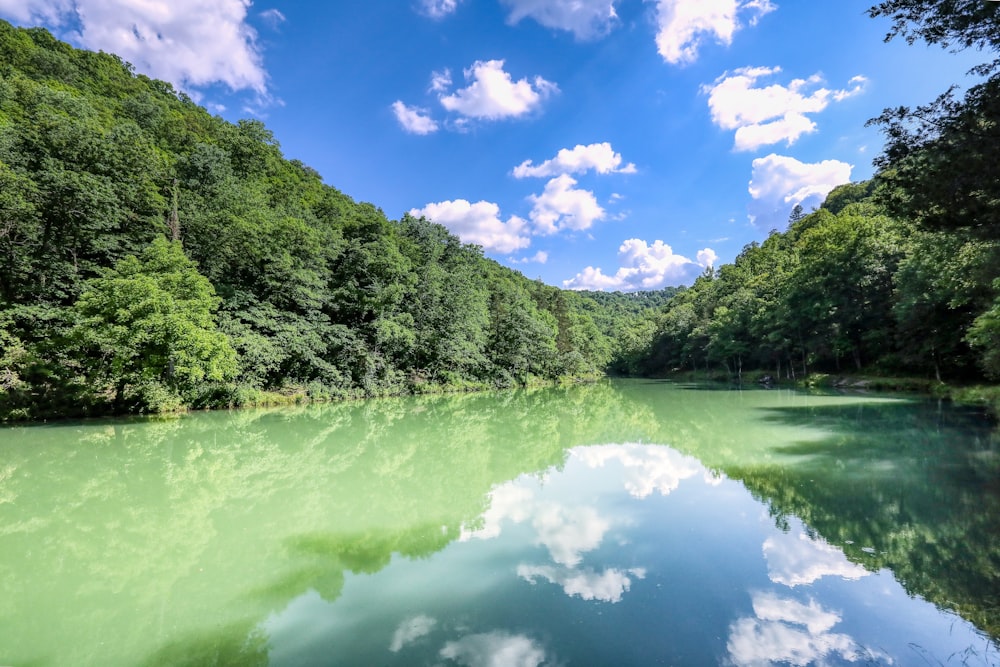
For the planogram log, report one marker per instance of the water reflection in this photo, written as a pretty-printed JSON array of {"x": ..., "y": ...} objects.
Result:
[
  {"x": 606, "y": 586},
  {"x": 410, "y": 631},
  {"x": 796, "y": 558},
  {"x": 458, "y": 528},
  {"x": 786, "y": 631},
  {"x": 495, "y": 649}
]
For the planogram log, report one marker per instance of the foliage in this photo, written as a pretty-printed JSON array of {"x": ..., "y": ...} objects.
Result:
[
  {"x": 286, "y": 287},
  {"x": 298, "y": 290},
  {"x": 939, "y": 164},
  {"x": 147, "y": 327}
]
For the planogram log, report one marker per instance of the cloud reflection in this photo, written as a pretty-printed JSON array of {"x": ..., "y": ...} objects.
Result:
[
  {"x": 790, "y": 632},
  {"x": 647, "y": 468},
  {"x": 794, "y": 559},
  {"x": 606, "y": 586},
  {"x": 567, "y": 532},
  {"x": 410, "y": 631},
  {"x": 495, "y": 649}
]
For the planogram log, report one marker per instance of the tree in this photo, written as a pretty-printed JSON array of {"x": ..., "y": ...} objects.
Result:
[
  {"x": 939, "y": 164},
  {"x": 985, "y": 335},
  {"x": 147, "y": 328},
  {"x": 957, "y": 24}
]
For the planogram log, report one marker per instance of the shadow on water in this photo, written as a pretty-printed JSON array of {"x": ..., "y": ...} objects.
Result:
[
  {"x": 913, "y": 490},
  {"x": 895, "y": 482}
]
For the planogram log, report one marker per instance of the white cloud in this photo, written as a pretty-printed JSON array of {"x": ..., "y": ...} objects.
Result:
[
  {"x": 586, "y": 19},
  {"x": 643, "y": 267},
  {"x": 492, "y": 94},
  {"x": 707, "y": 257},
  {"x": 764, "y": 115},
  {"x": 413, "y": 119},
  {"x": 540, "y": 257},
  {"x": 562, "y": 206},
  {"x": 49, "y": 12},
  {"x": 273, "y": 17},
  {"x": 788, "y": 631},
  {"x": 779, "y": 183},
  {"x": 794, "y": 559},
  {"x": 599, "y": 157},
  {"x": 607, "y": 586},
  {"x": 495, "y": 649},
  {"x": 478, "y": 223},
  {"x": 410, "y": 631},
  {"x": 189, "y": 43},
  {"x": 438, "y": 9},
  {"x": 683, "y": 25},
  {"x": 441, "y": 81}
]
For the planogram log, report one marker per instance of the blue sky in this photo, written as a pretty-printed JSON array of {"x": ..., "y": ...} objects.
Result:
[{"x": 601, "y": 144}]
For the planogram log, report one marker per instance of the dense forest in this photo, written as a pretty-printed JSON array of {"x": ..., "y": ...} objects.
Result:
[{"x": 154, "y": 257}]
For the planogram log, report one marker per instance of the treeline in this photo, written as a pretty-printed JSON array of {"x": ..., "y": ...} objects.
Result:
[
  {"x": 899, "y": 274},
  {"x": 845, "y": 288},
  {"x": 153, "y": 256}
]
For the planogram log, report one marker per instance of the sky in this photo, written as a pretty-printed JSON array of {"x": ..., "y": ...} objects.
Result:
[{"x": 592, "y": 144}]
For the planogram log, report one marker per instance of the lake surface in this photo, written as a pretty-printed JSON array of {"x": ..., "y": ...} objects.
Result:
[{"x": 621, "y": 523}]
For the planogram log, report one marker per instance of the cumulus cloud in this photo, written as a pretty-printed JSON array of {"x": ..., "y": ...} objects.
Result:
[
  {"x": 790, "y": 632},
  {"x": 410, "y": 630},
  {"x": 492, "y": 94},
  {"x": 684, "y": 25},
  {"x": 769, "y": 114},
  {"x": 779, "y": 183},
  {"x": 577, "y": 160},
  {"x": 438, "y": 9},
  {"x": 413, "y": 119},
  {"x": 707, "y": 257},
  {"x": 562, "y": 206},
  {"x": 36, "y": 11},
  {"x": 607, "y": 586},
  {"x": 478, "y": 223},
  {"x": 494, "y": 649},
  {"x": 644, "y": 267},
  {"x": 189, "y": 43},
  {"x": 586, "y": 19},
  {"x": 795, "y": 559}
]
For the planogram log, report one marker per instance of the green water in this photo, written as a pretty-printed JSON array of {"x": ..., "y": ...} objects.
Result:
[{"x": 623, "y": 523}]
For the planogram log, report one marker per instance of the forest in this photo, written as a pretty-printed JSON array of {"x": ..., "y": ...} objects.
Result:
[{"x": 154, "y": 257}]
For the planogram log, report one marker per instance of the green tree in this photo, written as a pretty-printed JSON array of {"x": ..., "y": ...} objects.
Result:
[
  {"x": 147, "y": 329},
  {"x": 985, "y": 335},
  {"x": 939, "y": 164}
]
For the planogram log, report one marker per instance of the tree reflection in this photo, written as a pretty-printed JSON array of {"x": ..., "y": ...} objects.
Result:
[
  {"x": 149, "y": 531},
  {"x": 901, "y": 484}
]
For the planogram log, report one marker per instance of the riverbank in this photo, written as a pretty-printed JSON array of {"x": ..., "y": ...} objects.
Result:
[
  {"x": 229, "y": 397},
  {"x": 985, "y": 396}
]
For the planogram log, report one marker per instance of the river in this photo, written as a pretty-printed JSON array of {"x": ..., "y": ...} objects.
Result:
[{"x": 620, "y": 523}]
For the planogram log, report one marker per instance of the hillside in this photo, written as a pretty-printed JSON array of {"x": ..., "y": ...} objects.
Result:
[{"x": 156, "y": 257}]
